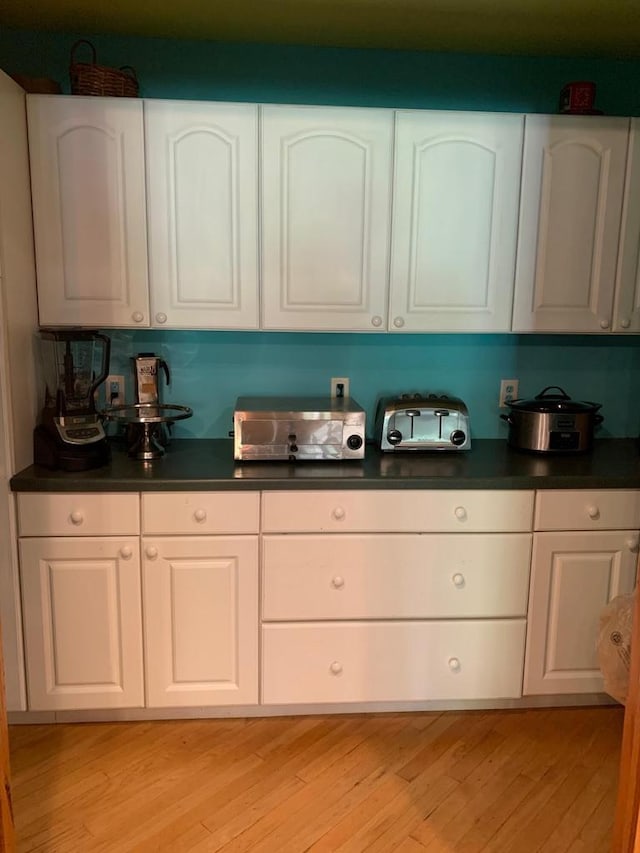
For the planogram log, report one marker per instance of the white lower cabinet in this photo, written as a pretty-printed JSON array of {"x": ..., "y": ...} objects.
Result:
[
  {"x": 200, "y": 590},
  {"x": 392, "y": 661},
  {"x": 82, "y": 622},
  {"x": 415, "y": 613},
  {"x": 201, "y": 620},
  {"x": 577, "y": 567}
]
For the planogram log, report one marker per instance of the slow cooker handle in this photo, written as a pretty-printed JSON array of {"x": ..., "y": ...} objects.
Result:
[
  {"x": 508, "y": 419},
  {"x": 562, "y": 395}
]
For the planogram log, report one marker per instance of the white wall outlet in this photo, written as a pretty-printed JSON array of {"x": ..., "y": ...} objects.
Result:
[
  {"x": 508, "y": 392},
  {"x": 114, "y": 390},
  {"x": 339, "y": 386}
]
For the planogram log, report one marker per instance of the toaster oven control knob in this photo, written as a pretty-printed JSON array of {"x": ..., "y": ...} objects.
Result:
[
  {"x": 354, "y": 442},
  {"x": 394, "y": 436},
  {"x": 458, "y": 437}
]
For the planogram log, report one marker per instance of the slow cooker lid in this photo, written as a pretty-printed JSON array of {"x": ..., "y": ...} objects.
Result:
[{"x": 560, "y": 401}]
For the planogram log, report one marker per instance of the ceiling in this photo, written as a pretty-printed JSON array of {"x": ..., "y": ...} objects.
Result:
[{"x": 609, "y": 28}]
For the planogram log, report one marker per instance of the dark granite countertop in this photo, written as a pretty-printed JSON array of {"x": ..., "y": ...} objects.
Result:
[{"x": 207, "y": 465}]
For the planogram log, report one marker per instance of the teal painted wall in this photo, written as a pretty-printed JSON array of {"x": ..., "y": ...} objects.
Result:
[{"x": 211, "y": 368}]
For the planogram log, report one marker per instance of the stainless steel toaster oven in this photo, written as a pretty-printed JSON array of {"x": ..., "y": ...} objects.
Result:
[
  {"x": 422, "y": 422},
  {"x": 298, "y": 428}
]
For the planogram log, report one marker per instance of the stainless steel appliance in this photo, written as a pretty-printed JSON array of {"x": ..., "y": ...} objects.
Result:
[
  {"x": 552, "y": 423},
  {"x": 422, "y": 422},
  {"x": 70, "y": 435},
  {"x": 298, "y": 428}
]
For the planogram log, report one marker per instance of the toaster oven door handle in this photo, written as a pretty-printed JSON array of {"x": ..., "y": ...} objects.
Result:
[{"x": 441, "y": 413}]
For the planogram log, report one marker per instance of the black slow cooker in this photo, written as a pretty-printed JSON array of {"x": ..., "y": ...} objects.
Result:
[{"x": 552, "y": 423}]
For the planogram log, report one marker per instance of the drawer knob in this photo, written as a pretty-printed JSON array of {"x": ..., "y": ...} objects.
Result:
[
  {"x": 338, "y": 513},
  {"x": 460, "y": 513},
  {"x": 593, "y": 512},
  {"x": 76, "y": 517},
  {"x": 200, "y": 515},
  {"x": 137, "y": 316},
  {"x": 336, "y": 667},
  {"x": 337, "y": 582},
  {"x": 161, "y": 318},
  {"x": 126, "y": 552},
  {"x": 458, "y": 580},
  {"x": 151, "y": 552},
  {"x": 454, "y": 664}
]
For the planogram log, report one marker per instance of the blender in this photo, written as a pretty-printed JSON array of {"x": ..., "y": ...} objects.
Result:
[{"x": 70, "y": 435}]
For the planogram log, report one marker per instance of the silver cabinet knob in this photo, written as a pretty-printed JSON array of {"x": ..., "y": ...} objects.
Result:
[
  {"x": 398, "y": 322},
  {"x": 458, "y": 580},
  {"x": 137, "y": 316},
  {"x": 454, "y": 664},
  {"x": 161, "y": 318},
  {"x": 126, "y": 552},
  {"x": 151, "y": 552},
  {"x": 460, "y": 513},
  {"x": 632, "y": 545},
  {"x": 200, "y": 515},
  {"x": 337, "y": 582},
  {"x": 76, "y": 517},
  {"x": 604, "y": 323},
  {"x": 376, "y": 321},
  {"x": 593, "y": 512},
  {"x": 336, "y": 668},
  {"x": 625, "y": 323},
  {"x": 338, "y": 513}
]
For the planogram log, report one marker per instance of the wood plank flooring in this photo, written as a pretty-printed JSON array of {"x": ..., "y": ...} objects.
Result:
[{"x": 515, "y": 781}]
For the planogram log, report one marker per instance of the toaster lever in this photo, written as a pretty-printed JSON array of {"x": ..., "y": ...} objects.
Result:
[
  {"x": 413, "y": 413},
  {"x": 440, "y": 414}
]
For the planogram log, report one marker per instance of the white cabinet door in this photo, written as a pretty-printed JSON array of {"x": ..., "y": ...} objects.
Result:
[
  {"x": 626, "y": 314},
  {"x": 455, "y": 219},
  {"x": 573, "y": 576},
  {"x": 571, "y": 203},
  {"x": 201, "y": 620},
  {"x": 202, "y": 202},
  {"x": 326, "y": 208},
  {"x": 88, "y": 188},
  {"x": 82, "y": 622}
]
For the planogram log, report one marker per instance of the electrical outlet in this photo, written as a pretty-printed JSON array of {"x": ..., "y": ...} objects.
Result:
[
  {"x": 508, "y": 392},
  {"x": 340, "y": 386},
  {"x": 114, "y": 389}
]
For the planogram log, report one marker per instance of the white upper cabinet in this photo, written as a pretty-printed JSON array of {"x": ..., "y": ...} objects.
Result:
[
  {"x": 326, "y": 205},
  {"x": 626, "y": 313},
  {"x": 572, "y": 189},
  {"x": 455, "y": 215},
  {"x": 202, "y": 201},
  {"x": 88, "y": 188}
]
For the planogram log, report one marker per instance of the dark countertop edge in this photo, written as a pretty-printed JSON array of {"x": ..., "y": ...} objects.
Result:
[{"x": 207, "y": 465}]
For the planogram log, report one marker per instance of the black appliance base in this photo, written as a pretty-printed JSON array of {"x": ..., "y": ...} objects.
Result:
[{"x": 51, "y": 452}]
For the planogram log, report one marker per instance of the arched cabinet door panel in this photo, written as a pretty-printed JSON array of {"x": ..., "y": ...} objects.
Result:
[
  {"x": 202, "y": 201},
  {"x": 455, "y": 214},
  {"x": 88, "y": 189},
  {"x": 326, "y": 209},
  {"x": 572, "y": 189}
]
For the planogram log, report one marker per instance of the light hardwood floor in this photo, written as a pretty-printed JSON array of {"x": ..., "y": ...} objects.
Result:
[{"x": 518, "y": 781}]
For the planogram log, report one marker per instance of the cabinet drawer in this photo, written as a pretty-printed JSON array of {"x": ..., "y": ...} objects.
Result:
[
  {"x": 395, "y": 576},
  {"x": 78, "y": 514},
  {"x": 394, "y": 511},
  {"x": 598, "y": 509},
  {"x": 201, "y": 512},
  {"x": 392, "y": 661}
]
